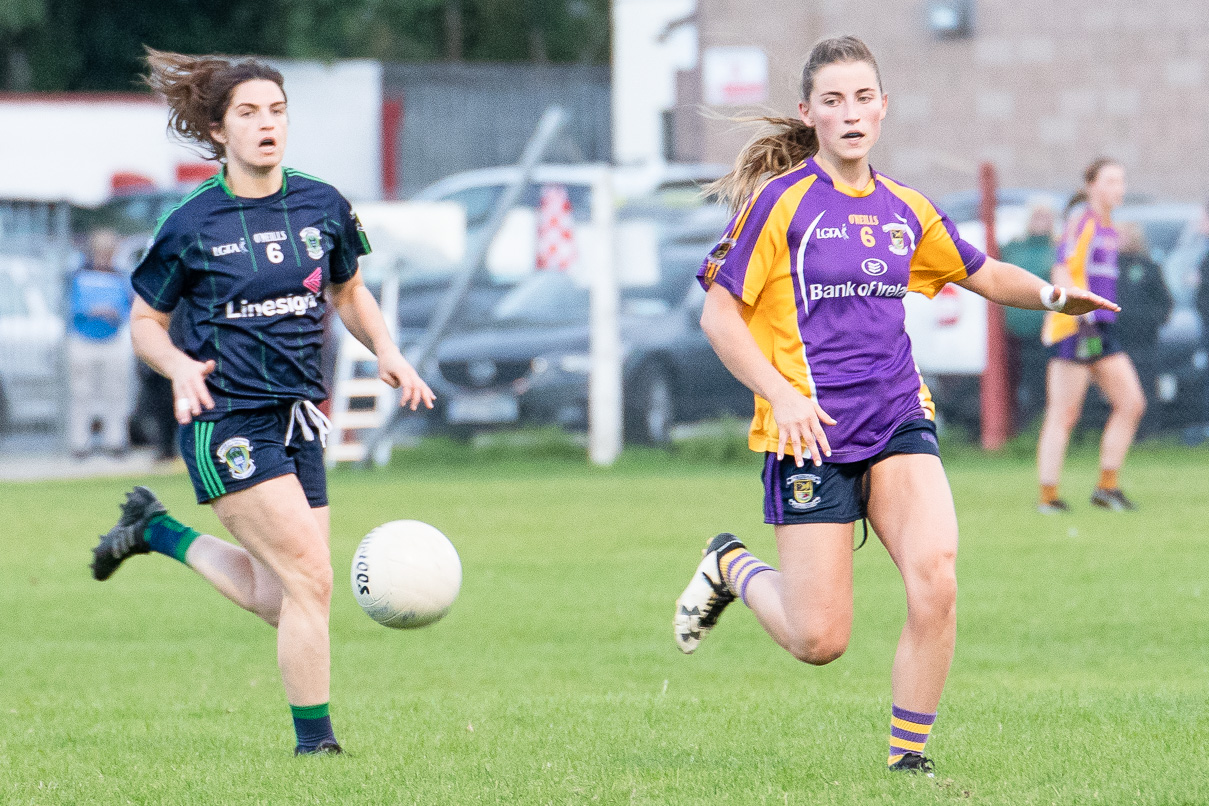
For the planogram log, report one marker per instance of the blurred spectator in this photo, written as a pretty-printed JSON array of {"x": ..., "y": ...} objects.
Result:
[
  {"x": 1027, "y": 356},
  {"x": 1146, "y": 300},
  {"x": 100, "y": 358}
]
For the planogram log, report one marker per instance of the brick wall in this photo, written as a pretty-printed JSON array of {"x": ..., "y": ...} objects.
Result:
[{"x": 1041, "y": 87}]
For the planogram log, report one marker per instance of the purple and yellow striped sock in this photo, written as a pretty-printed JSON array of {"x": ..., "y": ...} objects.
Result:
[
  {"x": 739, "y": 568},
  {"x": 908, "y": 732}
]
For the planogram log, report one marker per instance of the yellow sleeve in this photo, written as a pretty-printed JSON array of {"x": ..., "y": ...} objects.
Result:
[
  {"x": 940, "y": 256},
  {"x": 1059, "y": 326}
]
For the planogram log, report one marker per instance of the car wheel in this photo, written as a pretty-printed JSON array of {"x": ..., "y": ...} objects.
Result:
[{"x": 650, "y": 410}]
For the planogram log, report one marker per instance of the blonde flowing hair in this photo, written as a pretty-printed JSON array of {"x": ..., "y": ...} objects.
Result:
[{"x": 787, "y": 141}]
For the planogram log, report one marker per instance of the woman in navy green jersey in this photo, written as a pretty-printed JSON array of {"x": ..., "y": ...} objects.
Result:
[{"x": 250, "y": 260}]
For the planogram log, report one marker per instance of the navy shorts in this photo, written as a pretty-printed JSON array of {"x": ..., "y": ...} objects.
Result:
[
  {"x": 834, "y": 492},
  {"x": 1089, "y": 345},
  {"x": 243, "y": 448}
]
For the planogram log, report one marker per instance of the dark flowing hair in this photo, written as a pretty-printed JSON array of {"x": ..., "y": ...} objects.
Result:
[
  {"x": 788, "y": 141},
  {"x": 1090, "y": 174},
  {"x": 198, "y": 90}
]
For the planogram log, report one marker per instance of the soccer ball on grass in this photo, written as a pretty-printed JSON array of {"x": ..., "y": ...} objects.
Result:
[{"x": 406, "y": 574}]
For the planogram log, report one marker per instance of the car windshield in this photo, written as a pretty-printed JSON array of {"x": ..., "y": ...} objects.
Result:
[
  {"x": 481, "y": 200},
  {"x": 558, "y": 298},
  {"x": 549, "y": 298}
]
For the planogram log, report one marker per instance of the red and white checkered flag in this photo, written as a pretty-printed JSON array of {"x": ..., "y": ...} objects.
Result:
[{"x": 555, "y": 236}]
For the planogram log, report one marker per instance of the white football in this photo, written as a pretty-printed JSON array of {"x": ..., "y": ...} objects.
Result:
[{"x": 406, "y": 574}]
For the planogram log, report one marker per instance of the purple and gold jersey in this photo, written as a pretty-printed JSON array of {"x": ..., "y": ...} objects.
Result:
[
  {"x": 1089, "y": 250},
  {"x": 822, "y": 269}
]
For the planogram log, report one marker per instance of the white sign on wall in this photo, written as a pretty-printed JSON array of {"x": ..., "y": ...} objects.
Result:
[{"x": 734, "y": 76}]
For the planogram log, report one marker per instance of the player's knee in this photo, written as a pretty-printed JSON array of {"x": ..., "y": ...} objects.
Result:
[
  {"x": 1134, "y": 406},
  {"x": 1068, "y": 417},
  {"x": 310, "y": 578},
  {"x": 819, "y": 648},
  {"x": 934, "y": 592}
]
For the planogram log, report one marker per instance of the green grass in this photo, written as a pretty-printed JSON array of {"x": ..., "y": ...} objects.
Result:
[{"x": 1081, "y": 672}]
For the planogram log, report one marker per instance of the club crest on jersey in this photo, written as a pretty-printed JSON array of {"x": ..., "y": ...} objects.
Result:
[
  {"x": 900, "y": 234},
  {"x": 236, "y": 454},
  {"x": 310, "y": 239},
  {"x": 802, "y": 487},
  {"x": 716, "y": 258},
  {"x": 721, "y": 250}
]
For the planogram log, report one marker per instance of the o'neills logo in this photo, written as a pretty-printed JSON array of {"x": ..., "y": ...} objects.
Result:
[
  {"x": 838, "y": 290},
  {"x": 297, "y": 304}
]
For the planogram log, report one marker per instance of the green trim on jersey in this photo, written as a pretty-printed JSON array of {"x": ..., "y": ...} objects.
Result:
[
  {"x": 248, "y": 238},
  {"x": 264, "y": 365},
  {"x": 219, "y": 380},
  {"x": 296, "y": 172},
  {"x": 202, "y": 433},
  {"x": 202, "y": 188},
  {"x": 285, "y": 211},
  {"x": 222, "y": 182}
]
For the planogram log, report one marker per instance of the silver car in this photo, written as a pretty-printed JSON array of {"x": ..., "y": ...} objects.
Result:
[{"x": 31, "y": 346}]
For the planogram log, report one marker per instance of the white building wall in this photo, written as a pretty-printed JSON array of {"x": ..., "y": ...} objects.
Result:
[
  {"x": 336, "y": 123},
  {"x": 646, "y": 58},
  {"x": 67, "y": 147}
]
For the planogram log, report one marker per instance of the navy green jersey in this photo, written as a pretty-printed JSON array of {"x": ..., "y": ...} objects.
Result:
[{"x": 247, "y": 277}]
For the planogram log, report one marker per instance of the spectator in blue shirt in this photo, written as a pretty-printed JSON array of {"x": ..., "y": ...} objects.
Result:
[{"x": 100, "y": 358}]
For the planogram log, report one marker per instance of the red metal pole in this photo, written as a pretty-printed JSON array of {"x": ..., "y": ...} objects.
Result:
[
  {"x": 392, "y": 122},
  {"x": 997, "y": 394}
]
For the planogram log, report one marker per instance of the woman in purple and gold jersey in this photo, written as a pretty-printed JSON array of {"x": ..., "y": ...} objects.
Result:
[
  {"x": 249, "y": 261},
  {"x": 1087, "y": 348},
  {"x": 804, "y": 306}
]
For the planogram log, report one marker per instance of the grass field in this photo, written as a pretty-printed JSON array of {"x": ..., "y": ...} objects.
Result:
[{"x": 1081, "y": 676}]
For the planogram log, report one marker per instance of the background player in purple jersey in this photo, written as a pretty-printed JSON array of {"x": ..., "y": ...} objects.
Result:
[
  {"x": 1089, "y": 348},
  {"x": 249, "y": 260},
  {"x": 804, "y": 306}
]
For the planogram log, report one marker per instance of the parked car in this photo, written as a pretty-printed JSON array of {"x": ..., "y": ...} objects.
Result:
[
  {"x": 529, "y": 363},
  {"x": 665, "y": 188},
  {"x": 31, "y": 346}
]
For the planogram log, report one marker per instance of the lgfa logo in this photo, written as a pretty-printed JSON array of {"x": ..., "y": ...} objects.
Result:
[
  {"x": 874, "y": 267},
  {"x": 825, "y": 233}
]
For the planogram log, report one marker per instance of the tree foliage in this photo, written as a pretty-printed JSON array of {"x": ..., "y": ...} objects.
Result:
[{"x": 97, "y": 44}]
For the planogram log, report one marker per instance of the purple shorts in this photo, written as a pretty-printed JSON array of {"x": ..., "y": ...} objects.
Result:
[
  {"x": 834, "y": 492},
  {"x": 1089, "y": 345}
]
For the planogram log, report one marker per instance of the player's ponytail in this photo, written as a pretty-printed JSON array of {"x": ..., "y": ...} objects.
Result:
[
  {"x": 1090, "y": 173},
  {"x": 790, "y": 141},
  {"x": 198, "y": 91}
]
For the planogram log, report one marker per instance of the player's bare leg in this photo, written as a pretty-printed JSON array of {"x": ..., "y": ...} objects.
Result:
[
  {"x": 911, "y": 509},
  {"x": 806, "y": 606},
  {"x": 1118, "y": 380},
  {"x": 274, "y": 522},
  {"x": 237, "y": 575},
  {"x": 1066, "y": 385}
]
